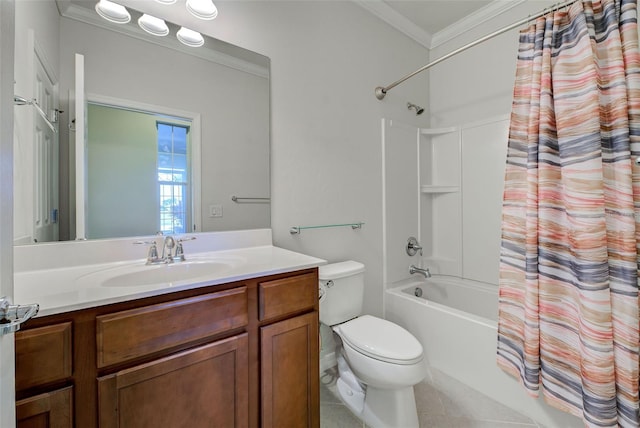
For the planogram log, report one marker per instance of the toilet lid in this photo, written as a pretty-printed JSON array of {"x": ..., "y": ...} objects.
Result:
[{"x": 381, "y": 339}]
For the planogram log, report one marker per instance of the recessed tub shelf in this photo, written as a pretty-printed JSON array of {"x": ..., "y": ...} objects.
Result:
[{"x": 430, "y": 188}]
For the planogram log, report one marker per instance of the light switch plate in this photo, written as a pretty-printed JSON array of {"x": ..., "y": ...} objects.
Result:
[{"x": 215, "y": 210}]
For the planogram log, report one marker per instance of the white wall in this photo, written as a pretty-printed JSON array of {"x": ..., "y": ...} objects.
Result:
[
  {"x": 478, "y": 83},
  {"x": 326, "y": 60},
  {"x": 483, "y": 160}
]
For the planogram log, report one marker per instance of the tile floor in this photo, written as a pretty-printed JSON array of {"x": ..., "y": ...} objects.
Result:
[{"x": 442, "y": 402}]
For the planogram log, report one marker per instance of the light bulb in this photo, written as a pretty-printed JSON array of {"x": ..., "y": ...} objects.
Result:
[
  {"x": 153, "y": 25},
  {"x": 203, "y": 9},
  {"x": 113, "y": 12},
  {"x": 190, "y": 37}
]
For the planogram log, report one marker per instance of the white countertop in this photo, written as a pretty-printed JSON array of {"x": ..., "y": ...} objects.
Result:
[{"x": 76, "y": 287}]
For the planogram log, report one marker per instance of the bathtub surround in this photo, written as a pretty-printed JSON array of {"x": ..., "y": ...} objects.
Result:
[
  {"x": 568, "y": 306},
  {"x": 456, "y": 202},
  {"x": 457, "y": 174}
]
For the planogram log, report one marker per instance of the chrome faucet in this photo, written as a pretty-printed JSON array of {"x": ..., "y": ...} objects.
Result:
[
  {"x": 168, "y": 255},
  {"x": 169, "y": 244},
  {"x": 414, "y": 269},
  {"x": 167, "y": 247}
]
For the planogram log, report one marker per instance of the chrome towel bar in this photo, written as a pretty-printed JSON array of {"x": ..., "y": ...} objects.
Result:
[
  {"x": 247, "y": 200},
  {"x": 295, "y": 230}
]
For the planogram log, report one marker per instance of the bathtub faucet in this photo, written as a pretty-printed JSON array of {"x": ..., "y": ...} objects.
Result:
[{"x": 413, "y": 269}]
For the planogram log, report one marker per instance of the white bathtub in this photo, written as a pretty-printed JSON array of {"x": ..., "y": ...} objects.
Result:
[{"x": 456, "y": 322}]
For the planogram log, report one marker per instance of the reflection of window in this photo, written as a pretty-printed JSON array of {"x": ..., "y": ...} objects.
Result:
[{"x": 173, "y": 177}]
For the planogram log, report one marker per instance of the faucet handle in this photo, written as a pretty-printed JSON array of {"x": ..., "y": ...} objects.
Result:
[
  {"x": 413, "y": 246},
  {"x": 179, "y": 252},
  {"x": 153, "y": 252},
  {"x": 152, "y": 256},
  {"x": 179, "y": 249}
]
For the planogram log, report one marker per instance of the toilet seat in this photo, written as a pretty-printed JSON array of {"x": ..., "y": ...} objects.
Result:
[{"x": 381, "y": 339}]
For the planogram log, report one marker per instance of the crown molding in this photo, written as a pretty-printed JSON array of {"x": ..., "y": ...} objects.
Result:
[
  {"x": 473, "y": 20},
  {"x": 380, "y": 9}
]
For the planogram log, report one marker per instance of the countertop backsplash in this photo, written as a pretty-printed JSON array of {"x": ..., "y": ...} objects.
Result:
[{"x": 77, "y": 253}]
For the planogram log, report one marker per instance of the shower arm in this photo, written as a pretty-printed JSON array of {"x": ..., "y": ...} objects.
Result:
[{"x": 382, "y": 91}]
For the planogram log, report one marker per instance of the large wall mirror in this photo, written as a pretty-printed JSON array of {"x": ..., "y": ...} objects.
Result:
[{"x": 175, "y": 138}]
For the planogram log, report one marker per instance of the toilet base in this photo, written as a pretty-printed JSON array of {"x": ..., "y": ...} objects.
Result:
[
  {"x": 378, "y": 408},
  {"x": 390, "y": 408}
]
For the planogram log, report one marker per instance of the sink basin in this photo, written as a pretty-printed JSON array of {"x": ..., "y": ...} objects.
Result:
[
  {"x": 164, "y": 273},
  {"x": 132, "y": 275}
]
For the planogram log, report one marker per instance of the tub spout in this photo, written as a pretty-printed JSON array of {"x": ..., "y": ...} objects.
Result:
[{"x": 413, "y": 269}]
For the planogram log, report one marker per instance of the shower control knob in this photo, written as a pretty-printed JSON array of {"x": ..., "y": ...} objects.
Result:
[{"x": 413, "y": 246}]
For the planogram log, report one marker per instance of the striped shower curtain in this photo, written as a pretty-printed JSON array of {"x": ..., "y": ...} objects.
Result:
[{"x": 569, "y": 309}]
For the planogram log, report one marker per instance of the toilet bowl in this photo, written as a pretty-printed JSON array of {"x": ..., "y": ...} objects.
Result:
[
  {"x": 381, "y": 353},
  {"x": 378, "y": 361}
]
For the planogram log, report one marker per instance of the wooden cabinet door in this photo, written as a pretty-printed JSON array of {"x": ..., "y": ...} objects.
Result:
[
  {"x": 290, "y": 373},
  {"x": 48, "y": 410},
  {"x": 202, "y": 387}
]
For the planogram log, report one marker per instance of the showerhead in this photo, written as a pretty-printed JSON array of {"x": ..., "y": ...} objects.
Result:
[{"x": 419, "y": 110}]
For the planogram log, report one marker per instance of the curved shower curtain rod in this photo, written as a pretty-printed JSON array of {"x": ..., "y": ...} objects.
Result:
[{"x": 382, "y": 91}]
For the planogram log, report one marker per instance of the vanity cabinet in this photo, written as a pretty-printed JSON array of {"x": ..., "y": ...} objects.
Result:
[
  {"x": 289, "y": 351},
  {"x": 242, "y": 354},
  {"x": 208, "y": 383},
  {"x": 48, "y": 410},
  {"x": 44, "y": 355},
  {"x": 289, "y": 380}
]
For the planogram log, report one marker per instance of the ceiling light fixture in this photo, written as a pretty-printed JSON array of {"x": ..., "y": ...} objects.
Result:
[
  {"x": 113, "y": 12},
  {"x": 190, "y": 38},
  {"x": 203, "y": 9},
  {"x": 153, "y": 25}
]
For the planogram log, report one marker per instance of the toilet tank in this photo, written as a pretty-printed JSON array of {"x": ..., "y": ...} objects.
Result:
[{"x": 341, "y": 291}]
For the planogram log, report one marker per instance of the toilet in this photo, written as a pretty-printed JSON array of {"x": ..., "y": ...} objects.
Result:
[{"x": 379, "y": 362}]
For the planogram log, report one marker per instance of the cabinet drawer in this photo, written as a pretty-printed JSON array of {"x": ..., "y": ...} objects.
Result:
[
  {"x": 43, "y": 355},
  {"x": 126, "y": 335},
  {"x": 288, "y": 295}
]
